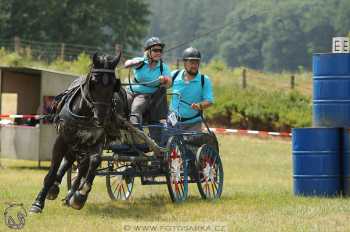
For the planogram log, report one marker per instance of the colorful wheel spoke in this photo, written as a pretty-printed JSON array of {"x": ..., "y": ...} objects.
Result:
[
  {"x": 119, "y": 187},
  {"x": 177, "y": 170},
  {"x": 116, "y": 188},
  {"x": 210, "y": 172}
]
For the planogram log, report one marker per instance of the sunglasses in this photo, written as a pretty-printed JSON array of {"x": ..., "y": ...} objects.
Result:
[
  {"x": 157, "y": 50},
  {"x": 192, "y": 62}
]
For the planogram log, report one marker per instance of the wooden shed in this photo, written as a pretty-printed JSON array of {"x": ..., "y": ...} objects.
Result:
[{"x": 28, "y": 90}]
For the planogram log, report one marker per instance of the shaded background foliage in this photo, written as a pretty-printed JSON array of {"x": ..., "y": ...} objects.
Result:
[
  {"x": 273, "y": 35},
  {"x": 100, "y": 23}
]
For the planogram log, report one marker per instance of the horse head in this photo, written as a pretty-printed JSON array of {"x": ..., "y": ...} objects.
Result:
[{"x": 101, "y": 85}]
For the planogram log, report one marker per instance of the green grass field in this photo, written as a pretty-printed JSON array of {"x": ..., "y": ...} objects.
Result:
[{"x": 257, "y": 196}]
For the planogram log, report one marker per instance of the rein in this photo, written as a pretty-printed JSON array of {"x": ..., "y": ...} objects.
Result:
[
  {"x": 102, "y": 70},
  {"x": 147, "y": 83},
  {"x": 142, "y": 83}
]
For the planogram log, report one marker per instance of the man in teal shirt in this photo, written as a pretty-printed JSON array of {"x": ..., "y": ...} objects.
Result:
[{"x": 192, "y": 91}]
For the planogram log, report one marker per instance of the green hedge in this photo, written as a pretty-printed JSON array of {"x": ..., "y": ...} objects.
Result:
[{"x": 259, "y": 109}]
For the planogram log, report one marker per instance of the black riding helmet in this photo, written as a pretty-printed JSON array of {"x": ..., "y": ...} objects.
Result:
[
  {"x": 191, "y": 54},
  {"x": 152, "y": 42}
]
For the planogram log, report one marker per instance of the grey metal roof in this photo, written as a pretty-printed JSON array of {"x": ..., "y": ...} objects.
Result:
[{"x": 34, "y": 70}]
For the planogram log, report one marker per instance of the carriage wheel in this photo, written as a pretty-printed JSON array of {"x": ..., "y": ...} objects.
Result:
[
  {"x": 119, "y": 187},
  {"x": 210, "y": 172},
  {"x": 72, "y": 174},
  {"x": 177, "y": 176}
]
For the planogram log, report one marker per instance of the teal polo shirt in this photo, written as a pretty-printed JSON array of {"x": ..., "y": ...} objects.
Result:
[
  {"x": 191, "y": 92},
  {"x": 146, "y": 74}
]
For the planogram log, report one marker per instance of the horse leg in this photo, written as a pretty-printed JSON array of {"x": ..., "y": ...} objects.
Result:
[
  {"x": 83, "y": 167},
  {"x": 79, "y": 198},
  {"x": 57, "y": 155},
  {"x": 55, "y": 189}
]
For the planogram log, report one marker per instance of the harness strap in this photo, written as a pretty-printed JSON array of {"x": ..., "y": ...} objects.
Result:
[
  {"x": 139, "y": 67},
  {"x": 136, "y": 81},
  {"x": 186, "y": 119},
  {"x": 102, "y": 70},
  {"x": 84, "y": 97},
  {"x": 178, "y": 71},
  {"x": 161, "y": 66},
  {"x": 69, "y": 110},
  {"x": 130, "y": 80},
  {"x": 175, "y": 75}
]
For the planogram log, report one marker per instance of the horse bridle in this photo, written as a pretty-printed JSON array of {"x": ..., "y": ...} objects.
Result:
[{"x": 88, "y": 98}]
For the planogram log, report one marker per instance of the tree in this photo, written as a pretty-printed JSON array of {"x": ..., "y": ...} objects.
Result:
[
  {"x": 318, "y": 26},
  {"x": 212, "y": 17},
  {"x": 341, "y": 18},
  {"x": 92, "y": 22},
  {"x": 242, "y": 40},
  {"x": 284, "y": 48},
  {"x": 179, "y": 22},
  {"x": 274, "y": 35}
]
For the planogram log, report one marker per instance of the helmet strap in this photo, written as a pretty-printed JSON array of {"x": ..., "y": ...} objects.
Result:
[{"x": 149, "y": 56}]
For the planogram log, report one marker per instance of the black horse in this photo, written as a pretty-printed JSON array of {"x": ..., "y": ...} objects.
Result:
[
  {"x": 81, "y": 126},
  {"x": 118, "y": 118}
]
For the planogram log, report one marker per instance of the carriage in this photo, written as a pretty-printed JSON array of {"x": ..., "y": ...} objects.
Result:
[
  {"x": 187, "y": 157},
  {"x": 86, "y": 115}
]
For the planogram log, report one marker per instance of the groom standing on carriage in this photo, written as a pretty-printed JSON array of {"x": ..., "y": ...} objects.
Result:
[{"x": 192, "y": 92}]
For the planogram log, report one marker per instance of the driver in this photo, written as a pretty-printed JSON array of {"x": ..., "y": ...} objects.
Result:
[{"x": 151, "y": 70}]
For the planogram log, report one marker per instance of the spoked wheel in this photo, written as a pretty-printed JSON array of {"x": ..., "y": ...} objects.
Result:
[
  {"x": 210, "y": 172},
  {"x": 177, "y": 176},
  {"x": 119, "y": 187},
  {"x": 72, "y": 174}
]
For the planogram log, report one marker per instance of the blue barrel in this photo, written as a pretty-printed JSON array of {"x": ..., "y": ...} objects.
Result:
[
  {"x": 316, "y": 161},
  {"x": 345, "y": 161},
  {"x": 331, "y": 90}
]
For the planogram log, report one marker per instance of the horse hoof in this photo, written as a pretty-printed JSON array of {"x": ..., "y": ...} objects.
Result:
[
  {"x": 36, "y": 208},
  {"x": 77, "y": 201},
  {"x": 67, "y": 198},
  {"x": 53, "y": 192}
]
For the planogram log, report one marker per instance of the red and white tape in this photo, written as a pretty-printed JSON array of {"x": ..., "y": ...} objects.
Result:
[
  {"x": 250, "y": 132},
  {"x": 216, "y": 130},
  {"x": 25, "y": 116}
]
